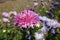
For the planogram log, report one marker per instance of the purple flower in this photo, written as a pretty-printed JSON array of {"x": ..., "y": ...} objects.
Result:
[
  {"x": 52, "y": 6},
  {"x": 56, "y": 3},
  {"x": 51, "y": 14},
  {"x": 29, "y": 38},
  {"x": 46, "y": 24},
  {"x": 44, "y": 29},
  {"x": 52, "y": 31}
]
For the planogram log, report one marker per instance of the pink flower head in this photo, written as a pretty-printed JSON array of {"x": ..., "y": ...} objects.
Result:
[
  {"x": 35, "y": 3},
  {"x": 5, "y": 14},
  {"x": 26, "y": 18}
]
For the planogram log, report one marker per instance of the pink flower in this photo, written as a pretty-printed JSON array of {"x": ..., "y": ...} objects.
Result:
[
  {"x": 5, "y": 14},
  {"x": 26, "y": 18},
  {"x": 58, "y": 25},
  {"x": 35, "y": 3},
  {"x": 5, "y": 20}
]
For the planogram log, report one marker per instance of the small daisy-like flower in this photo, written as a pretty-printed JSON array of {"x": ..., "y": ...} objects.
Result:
[
  {"x": 44, "y": 29},
  {"x": 29, "y": 38},
  {"x": 6, "y": 14},
  {"x": 13, "y": 12},
  {"x": 52, "y": 31},
  {"x": 51, "y": 14},
  {"x": 35, "y": 3},
  {"x": 52, "y": 6},
  {"x": 39, "y": 36},
  {"x": 38, "y": 25},
  {"x": 58, "y": 25},
  {"x": 5, "y": 20},
  {"x": 4, "y": 31},
  {"x": 26, "y": 18},
  {"x": 56, "y": 3}
]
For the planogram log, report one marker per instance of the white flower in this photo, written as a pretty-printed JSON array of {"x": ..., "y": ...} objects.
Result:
[
  {"x": 55, "y": 22},
  {"x": 52, "y": 23},
  {"x": 37, "y": 25},
  {"x": 4, "y": 30},
  {"x": 13, "y": 12},
  {"x": 5, "y": 20},
  {"x": 47, "y": 11},
  {"x": 43, "y": 18},
  {"x": 39, "y": 36}
]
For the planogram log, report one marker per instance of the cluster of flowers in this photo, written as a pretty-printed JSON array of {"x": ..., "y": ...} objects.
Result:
[
  {"x": 7, "y": 16},
  {"x": 52, "y": 6},
  {"x": 28, "y": 18}
]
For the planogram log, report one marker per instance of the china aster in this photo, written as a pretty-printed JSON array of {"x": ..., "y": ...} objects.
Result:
[{"x": 26, "y": 18}]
